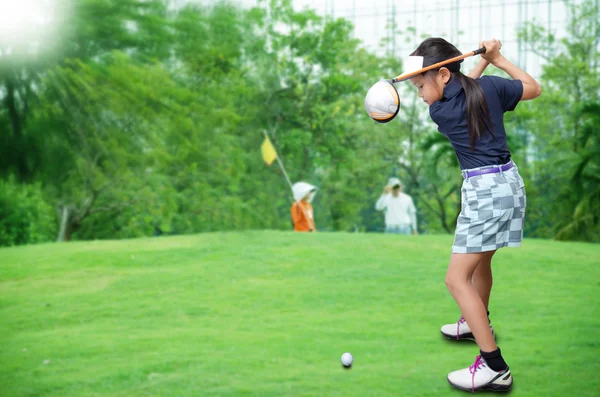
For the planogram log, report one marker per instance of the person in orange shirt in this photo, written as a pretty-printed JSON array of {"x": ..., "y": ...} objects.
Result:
[{"x": 302, "y": 211}]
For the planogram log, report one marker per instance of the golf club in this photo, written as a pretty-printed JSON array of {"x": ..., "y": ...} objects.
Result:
[{"x": 382, "y": 101}]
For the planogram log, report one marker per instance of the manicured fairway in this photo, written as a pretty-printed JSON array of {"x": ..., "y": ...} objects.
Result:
[{"x": 270, "y": 313}]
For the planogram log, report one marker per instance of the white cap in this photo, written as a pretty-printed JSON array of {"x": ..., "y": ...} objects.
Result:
[
  {"x": 413, "y": 63},
  {"x": 301, "y": 189},
  {"x": 394, "y": 181}
]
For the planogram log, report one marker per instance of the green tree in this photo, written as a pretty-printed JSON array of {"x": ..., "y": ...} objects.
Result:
[
  {"x": 564, "y": 127},
  {"x": 26, "y": 217},
  {"x": 107, "y": 124},
  {"x": 94, "y": 30}
]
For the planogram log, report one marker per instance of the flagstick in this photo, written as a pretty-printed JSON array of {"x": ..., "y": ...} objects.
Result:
[{"x": 287, "y": 178}]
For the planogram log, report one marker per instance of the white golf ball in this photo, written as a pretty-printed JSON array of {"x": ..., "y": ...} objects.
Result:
[{"x": 347, "y": 359}]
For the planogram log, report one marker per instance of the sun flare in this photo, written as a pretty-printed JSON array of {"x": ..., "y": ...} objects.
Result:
[{"x": 26, "y": 25}]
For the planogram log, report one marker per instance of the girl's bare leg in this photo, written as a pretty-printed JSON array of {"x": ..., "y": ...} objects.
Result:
[
  {"x": 482, "y": 279},
  {"x": 459, "y": 280}
]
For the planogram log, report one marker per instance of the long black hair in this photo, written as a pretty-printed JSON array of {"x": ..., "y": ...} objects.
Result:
[{"x": 478, "y": 116}]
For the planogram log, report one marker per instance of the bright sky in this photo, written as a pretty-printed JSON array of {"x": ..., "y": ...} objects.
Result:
[
  {"x": 26, "y": 24},
  {"x": 463, "y": 22}
]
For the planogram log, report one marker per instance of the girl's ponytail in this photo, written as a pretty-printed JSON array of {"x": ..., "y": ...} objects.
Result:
[{"x": 478, "y": 115}]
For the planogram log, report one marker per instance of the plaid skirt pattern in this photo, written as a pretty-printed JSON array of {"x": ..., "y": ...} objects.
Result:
[{"x": 492, "y": 214}]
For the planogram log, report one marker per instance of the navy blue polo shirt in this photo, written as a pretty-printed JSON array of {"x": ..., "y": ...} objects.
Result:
[{"x": 449, "y": 113}]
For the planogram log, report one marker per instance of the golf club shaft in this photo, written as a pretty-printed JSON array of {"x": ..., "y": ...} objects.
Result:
[{"x": 407, "y": 76}]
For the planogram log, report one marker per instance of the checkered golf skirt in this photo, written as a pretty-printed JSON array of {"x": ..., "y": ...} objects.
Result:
[{"x": 493, "y": 209}]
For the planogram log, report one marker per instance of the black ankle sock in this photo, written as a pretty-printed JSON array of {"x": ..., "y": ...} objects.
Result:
[{"x": 494, "y": 360}]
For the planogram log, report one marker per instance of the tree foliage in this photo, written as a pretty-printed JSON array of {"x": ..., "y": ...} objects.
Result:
[
  {"x": 564, "y": 125},
  {"x": 148, "y": 120}
]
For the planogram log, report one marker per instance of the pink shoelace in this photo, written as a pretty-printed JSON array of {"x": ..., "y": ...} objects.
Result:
[
  {"x": 479, "y": 363},
  {"x": 460, "y": 321}
]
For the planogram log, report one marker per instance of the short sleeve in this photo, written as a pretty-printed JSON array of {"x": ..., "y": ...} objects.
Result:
[{"x": 509, "y": 92}]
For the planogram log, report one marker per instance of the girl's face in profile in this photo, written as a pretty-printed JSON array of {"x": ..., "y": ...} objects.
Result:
[{"x": 430, "y": 85}]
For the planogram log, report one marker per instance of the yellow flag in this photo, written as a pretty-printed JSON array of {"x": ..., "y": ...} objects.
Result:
[{"x": 268, "y": 151}]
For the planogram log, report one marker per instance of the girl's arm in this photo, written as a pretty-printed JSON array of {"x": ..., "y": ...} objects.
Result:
[
  {"x": 531, "y": 88},
  {"x": 478, "y": 69}
]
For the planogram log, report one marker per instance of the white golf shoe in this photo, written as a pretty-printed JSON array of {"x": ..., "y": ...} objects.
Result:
[
  {"x": 459, "y": 330},
  {"x": 480, "y": 377}
]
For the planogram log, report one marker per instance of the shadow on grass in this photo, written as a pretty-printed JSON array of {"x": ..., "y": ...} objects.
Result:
[{"x": 483, "y": 393}]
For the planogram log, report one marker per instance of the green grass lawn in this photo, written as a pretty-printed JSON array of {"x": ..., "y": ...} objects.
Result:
[{"x": 270, "y": 313}]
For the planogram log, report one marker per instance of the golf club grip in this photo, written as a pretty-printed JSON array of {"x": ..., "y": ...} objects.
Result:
[{"x": 407, "y": 76}]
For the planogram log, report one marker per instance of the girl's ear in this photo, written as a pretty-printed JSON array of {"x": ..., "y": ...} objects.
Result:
[{"x": 445, "y": 74}]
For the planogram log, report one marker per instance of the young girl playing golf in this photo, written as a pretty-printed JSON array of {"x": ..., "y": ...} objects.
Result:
[{"x": 469, "y": 112}]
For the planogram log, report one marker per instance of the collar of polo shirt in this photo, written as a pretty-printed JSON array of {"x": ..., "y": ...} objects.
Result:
[{"x": 452, "y": 89}]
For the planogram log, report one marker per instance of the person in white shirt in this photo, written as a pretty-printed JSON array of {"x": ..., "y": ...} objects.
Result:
[{"x": 400, "y": 212}]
